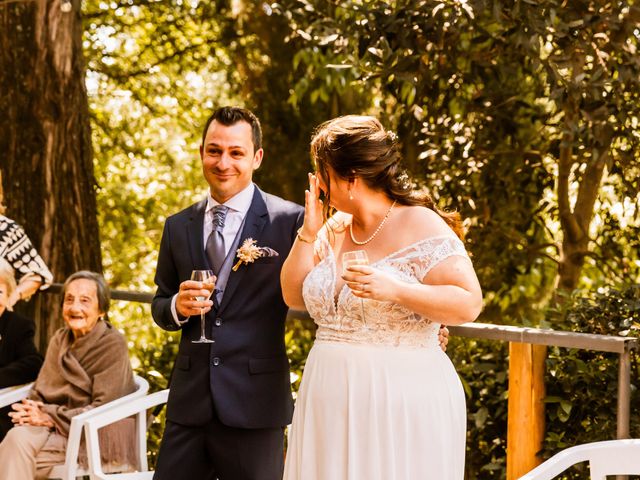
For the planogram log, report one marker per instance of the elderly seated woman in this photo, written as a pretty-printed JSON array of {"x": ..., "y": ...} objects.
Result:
[
  {"x": 19, "y": 359},
  {"x": 86, "y": 365}
]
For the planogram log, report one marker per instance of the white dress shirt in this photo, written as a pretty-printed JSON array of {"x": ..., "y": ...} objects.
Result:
[{"x": 238, "y": 207}]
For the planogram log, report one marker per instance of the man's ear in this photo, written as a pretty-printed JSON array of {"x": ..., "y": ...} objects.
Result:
[{"x": 257, "y": 159}]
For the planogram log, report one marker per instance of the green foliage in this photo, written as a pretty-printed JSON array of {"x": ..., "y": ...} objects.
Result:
[
  {"x": 147, "y": 116},
  {"x": 582, "y": 385},
  {"x": 508, "y": 111},
  {"x": 299, "y": 337},
  {"x": 487, "y": 97},
  {"x": 482, "y": 366}
]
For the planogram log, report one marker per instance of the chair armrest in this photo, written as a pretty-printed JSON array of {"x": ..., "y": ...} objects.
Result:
[
  {"x": 552, "y": 467},
  {"x": 77, "y": 423},
  {"x": 607, "y": 457},
  {"x": 561, "y": 461},
  {"x": 11, "y": 395},
  {"x": 138, "y": 407}
]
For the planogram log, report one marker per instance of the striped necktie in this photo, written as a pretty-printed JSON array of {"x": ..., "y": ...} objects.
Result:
[{"x": 215, "y": 243}]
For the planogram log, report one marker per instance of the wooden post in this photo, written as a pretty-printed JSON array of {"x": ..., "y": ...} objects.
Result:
[{"x": 525, "y": 424}]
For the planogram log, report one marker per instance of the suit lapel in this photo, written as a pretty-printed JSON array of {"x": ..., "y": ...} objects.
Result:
[
  {"x": 194, "y": 236},
  {"x": 253, "y": 225}
]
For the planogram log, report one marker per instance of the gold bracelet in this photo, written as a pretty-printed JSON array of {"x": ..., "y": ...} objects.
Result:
[{"x": 305, "y": 240}]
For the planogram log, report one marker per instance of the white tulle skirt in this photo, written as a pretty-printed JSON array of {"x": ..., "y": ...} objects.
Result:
[{"x": 377, "y": 413}]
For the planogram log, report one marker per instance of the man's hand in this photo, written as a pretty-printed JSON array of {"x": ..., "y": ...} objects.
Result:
[
  {"x": 187, "y": 303},
  {"x": 443, "y": 337}
]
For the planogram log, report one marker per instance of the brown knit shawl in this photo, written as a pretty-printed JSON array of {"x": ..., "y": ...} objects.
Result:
[{"x": 84, "y": 373}]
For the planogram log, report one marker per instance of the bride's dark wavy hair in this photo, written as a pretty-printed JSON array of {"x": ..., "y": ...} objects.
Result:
[{"x": 357, "y": 146}]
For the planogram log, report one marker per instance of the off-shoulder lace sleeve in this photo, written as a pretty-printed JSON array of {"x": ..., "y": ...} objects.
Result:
[{"x": 427, "y": 254}]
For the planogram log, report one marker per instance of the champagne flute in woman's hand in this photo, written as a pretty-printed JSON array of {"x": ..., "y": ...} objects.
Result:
[
  {"x": 349, "y": 259},
  {"x": 208, "y": 283}
]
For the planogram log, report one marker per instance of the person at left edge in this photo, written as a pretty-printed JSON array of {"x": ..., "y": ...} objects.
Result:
[
  {"x": 229, "y": 401},
  {"x": 20, "y": 361},
  {"x": 16, "y": 248}
]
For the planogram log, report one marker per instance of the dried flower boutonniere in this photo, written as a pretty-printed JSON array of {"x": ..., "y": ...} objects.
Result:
[{"x": 249, "y": 252}]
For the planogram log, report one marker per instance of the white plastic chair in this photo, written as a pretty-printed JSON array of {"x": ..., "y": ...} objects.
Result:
[
  {"x": 11, "y": 395},
  {"x": 70, "y": 469},
  {"x": 613, "y": 457},
  {"x": 137, "y": 407}
]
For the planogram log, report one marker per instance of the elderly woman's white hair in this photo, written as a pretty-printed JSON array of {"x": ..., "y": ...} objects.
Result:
[{"x": 7, "y": 276}]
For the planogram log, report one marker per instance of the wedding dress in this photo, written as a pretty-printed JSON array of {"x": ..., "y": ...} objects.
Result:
[{"x": 379, "y": 399}]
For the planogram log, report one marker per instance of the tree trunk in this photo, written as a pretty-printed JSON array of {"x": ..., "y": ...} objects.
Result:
[
  {"x": 46, "y": 143},
  {"x": 576, "y": 220}
]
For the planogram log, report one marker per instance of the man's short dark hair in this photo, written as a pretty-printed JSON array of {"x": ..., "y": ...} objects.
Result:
[{"x": 230, "y": 116}]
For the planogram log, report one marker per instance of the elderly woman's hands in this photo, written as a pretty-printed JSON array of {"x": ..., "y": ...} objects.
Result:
[{"x": 29, "y": 412}]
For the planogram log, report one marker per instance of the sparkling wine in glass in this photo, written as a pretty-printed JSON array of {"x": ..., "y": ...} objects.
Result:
[
  {"x": 349, "y": 259},
  {"x": 208, "y": 280}
]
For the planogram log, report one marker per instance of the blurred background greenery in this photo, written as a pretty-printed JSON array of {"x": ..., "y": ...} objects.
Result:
[{"x": 523, "y": 116}]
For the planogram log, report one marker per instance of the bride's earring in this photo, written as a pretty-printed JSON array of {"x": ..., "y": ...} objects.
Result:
[{"x": 351, "y": 184}]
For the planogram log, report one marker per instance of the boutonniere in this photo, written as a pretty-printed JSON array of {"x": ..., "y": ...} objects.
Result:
[{"x": 249, "y": 252}]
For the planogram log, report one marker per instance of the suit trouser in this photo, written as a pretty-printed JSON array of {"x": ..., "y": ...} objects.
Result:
[
  {"x": 30, "y": 452},
  {"x": 216, "y": 451}
]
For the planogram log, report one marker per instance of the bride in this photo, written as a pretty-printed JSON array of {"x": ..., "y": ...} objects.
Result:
[{"x": 378, "y": 399}]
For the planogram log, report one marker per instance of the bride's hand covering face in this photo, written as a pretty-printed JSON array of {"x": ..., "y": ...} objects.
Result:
[{"x": 313, "y": 216}]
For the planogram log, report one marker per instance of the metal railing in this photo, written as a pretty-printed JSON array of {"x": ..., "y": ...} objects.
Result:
[{"x": 584, "y": 341}]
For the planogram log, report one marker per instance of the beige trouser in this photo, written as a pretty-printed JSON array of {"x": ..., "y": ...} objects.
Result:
[{"x": 29, "y": 453}]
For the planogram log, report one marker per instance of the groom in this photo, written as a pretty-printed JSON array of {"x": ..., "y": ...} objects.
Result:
[{"x": 229, "y": 401}]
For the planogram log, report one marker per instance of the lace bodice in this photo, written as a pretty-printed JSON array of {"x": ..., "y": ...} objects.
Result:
[{"x": 384, "y": 323}]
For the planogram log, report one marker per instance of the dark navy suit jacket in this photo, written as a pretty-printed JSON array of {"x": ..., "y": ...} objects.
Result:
[{"x": 244, "y": 375}]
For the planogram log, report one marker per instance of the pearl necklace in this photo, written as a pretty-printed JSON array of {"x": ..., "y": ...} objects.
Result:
[{"x": 376, "y": 231}]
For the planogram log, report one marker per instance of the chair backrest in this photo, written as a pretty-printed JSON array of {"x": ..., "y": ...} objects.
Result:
[
  {"x": 69, "y": 470},
  {"x": 136, "y": 407},
  {"x": 612, "y": 457},
  {"x": 616, "y": 457}
]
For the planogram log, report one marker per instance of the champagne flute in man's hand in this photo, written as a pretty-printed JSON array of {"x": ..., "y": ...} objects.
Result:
[
  {"x": 208, "y": 280},
  {"x": 353, "y": 258}
]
